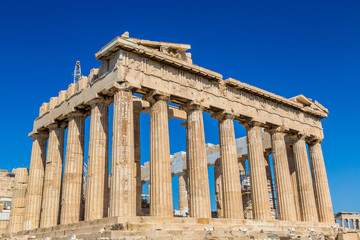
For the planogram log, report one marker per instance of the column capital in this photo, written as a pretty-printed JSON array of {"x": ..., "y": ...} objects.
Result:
[
  {"x": 124, "y": 86},
  {"x": 297, "y": 136},
  {"x": 39, "y": 134},
  {"x": 76, "y": 113},
  {"x": 251, "y": 123},
  {"x": 100, "y": 99},
  {"x": 223, "y": 115},
  {"x": 155, "y": 95},
  {"x": 193, "y": 105},
  {"x": 313, "y": 140},
  {"x": 55, "y": 125},
  {"x": 275, "y": 129}
]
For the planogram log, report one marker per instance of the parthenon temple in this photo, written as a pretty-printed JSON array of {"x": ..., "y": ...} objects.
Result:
[{"x": 287, "y": 197}]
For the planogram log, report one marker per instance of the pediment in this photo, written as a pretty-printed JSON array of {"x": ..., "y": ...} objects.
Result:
[{"x": 307, "y": 102}]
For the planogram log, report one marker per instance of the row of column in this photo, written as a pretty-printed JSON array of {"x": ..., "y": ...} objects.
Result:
[
  {"x": 45, "y": 207},
  {"x": 355, "y": 223}
]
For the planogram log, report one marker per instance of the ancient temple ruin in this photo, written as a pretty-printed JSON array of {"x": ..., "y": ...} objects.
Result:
[{"x": 58, "y": 206}]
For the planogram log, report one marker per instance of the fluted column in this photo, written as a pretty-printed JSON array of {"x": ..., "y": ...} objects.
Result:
[
  {"x": 160, "y": 168},
  {"x": 53, "y": 176},
  {"x": 218, "y": 180},
  {"x": 294, "y": 182},
  {"x": 183, "y": 194},
  {"x": 306, "y": 192},
  {"x": 122, "y": 188},
  {"x": 199, "y": 193},
  {"x": 283, "y": 185},
  {"x": 36, "y": 182},
  {"x": 269, "y": 178},
  {"x": 233, "y": 206},
  {"x": 258, "y": 180},
  {"x": 321, "y": 185},
  {"x": 73, "y": 170},
  {"x": 137, "y": 155},
  {"x": 18, "y": 200},
  {"x": 96, "y": 200}
]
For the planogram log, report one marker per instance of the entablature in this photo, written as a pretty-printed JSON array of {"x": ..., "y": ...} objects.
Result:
[{"x": 147, "y": 69}]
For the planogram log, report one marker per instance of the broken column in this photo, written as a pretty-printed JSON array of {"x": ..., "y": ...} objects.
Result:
[
  {"x": 219, "y": 197},
  {"x": 18, "y": 200},
  {"x": 183, "y": 195}
]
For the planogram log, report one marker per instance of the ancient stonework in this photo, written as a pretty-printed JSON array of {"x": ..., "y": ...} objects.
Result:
[{"x": 115, "y": 206}]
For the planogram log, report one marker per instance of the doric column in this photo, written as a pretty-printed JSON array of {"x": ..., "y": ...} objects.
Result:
[
  {"x": 321, "y": 185},
  {"x": 123, "y": 185},
  {"x": 18, "y": 200},
  {"x": 199, "y": 193},
  {"x": 160, "y": 167},
  {"x": 96, "y": 200},
  {"x": 36, "y": 182},
  {"x": 233, "y": 206},
  {"x": 294, "y": 182},
  {"x": 258, "y": 180},
  {"x": 137, "y": 155},
  {"x": 284, "y": 190},
  {"x": 219, "y": 197},
  {"x": 73, "y": 170},
  {"x": 269, "y": 178},
  {"x": 306, "y": 192},
  {"x": 183, "y": 195},
  {"x": 53, "y": 175}
]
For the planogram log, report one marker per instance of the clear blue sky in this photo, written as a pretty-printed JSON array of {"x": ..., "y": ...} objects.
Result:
[{"x": 286, "y": 47}]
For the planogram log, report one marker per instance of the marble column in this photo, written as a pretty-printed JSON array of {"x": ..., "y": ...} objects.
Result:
[
  {"x": 233, "y": 206},
  {"x": 73, "y": 171},
  {"x": 269, "y": 178},
  {"x": 53, "y": 176},
  {"x": 18, "y": 200},
  {"x": 96, "y": 200},
  {"x": 294, "y": 182},
  {"x": 321, "y": 185},
  {"x": 36, "y": 182},
  {"x": 199, "y": 193},
  {"x": 258, "y": 180},
  {"x": 137, "y": 155},
  {"x": 161, "y": 203},
  {"x": 183, "y": 195},
  {"x": 123, "y": 185},
  {"x": 306, "y": 191},
  {"x": 219, "y": 197},
  {"x": 283, "y": 185}
]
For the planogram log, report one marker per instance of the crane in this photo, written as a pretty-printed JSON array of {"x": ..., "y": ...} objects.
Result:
[{"x": 77, "y": 72}]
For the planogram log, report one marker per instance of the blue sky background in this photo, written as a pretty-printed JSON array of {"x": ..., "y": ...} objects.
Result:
[{"x": 285, "y": 47}]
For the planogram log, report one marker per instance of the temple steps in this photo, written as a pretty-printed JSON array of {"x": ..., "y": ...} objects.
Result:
[{"x": 174, "y": 228}]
